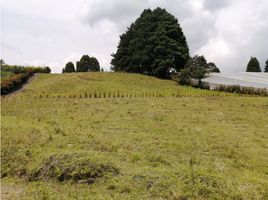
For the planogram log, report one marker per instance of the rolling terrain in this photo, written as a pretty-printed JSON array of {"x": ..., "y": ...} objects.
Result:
[{"x": 129, "y": 136}]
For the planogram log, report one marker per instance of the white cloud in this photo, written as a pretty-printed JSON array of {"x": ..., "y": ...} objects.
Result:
[{"x": 240, "y": 32}]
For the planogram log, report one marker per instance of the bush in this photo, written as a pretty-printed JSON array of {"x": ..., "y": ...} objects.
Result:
[
  {"x": 72, "y": 167},
  {"x": 15, "y": 82}
]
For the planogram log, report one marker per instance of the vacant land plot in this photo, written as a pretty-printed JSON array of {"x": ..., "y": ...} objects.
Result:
[{"x": 126, "y": 136}]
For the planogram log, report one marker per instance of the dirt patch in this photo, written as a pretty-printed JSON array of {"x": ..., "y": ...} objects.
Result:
[{"x": 10, "y": 192}]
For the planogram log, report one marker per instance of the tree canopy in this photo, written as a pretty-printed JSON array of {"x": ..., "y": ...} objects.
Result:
[
  {"x": 154, "y": 44},
  {"x": 266, "y": 66},
  {"x": 253, "y": 65},
  {"x": 213, "y": 68},
  {"x": 69, "y": 67},
  {"x": 196, "y": 68},
  {"x": 87, "y": 64}
]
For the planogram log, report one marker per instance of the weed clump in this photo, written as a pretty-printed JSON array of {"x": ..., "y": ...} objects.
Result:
[{"x": 72, "y": 167}]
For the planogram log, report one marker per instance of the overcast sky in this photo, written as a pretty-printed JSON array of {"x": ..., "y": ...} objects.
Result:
[{"x": 53, "y": 32}]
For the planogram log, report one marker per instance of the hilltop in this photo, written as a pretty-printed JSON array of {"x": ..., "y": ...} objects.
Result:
[{"x": 129, "y": 136}]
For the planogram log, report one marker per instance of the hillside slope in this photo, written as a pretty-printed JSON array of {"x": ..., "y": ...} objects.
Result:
[
  {"x": 81, "y": 84},
  {"x": 155, "y": 140}
]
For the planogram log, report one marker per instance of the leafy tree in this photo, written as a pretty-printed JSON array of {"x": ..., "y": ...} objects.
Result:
[
  {"x": 94, "y": 65},
  {"x": 185, "y": 76},
  {"x": 47, "y": 70},
  {"x": 266, "y": 66},
  {"x": 79, "y": 67},
  {"x": 154, "y": 44},
  {"x": 87, "y": 64},
  {"x": 253, "y": 65},
  {"x": 69, "y": 67},
  {"x": 196, "y": 68},
  {"x": 213, "y": 68},
  {"x": 63, "y": 70}
]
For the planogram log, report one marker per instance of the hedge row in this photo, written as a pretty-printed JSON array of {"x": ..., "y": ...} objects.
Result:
[
  {"x": 15, "y": 82},
  {"x": 21, "y": 69},
  {"x": 243, "y": 90}
]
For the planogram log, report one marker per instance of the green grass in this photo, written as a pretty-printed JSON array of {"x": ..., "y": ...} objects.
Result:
[
  {"x": 110, "y": 85},
  {"x": 58, "y": 143}
]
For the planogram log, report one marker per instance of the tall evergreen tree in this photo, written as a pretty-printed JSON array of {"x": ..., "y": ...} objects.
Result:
[
  {"x": 154, "y": 44},
  {"x": 69, "y": 67},
  {"x": 253, "y": 65},
  {"x": 266, "y": 66}
]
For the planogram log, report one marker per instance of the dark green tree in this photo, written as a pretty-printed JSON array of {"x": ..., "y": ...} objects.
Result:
[
  {"x": 79, "y": 67},
  {"x": 266, "y": 66},
  {"x": 196, "y": 68},
  {"x": 253, "y": 65},
  {"x": 69, "y": 68},
  {"x": 154, "y": 44},
  {"x": 94, "y": 65},
  {"x": 213, "y": 68},
  {"x": 47, "y": 70},
  {"x": 185, "y": 76},
  {"x": 88, "y": 64}
]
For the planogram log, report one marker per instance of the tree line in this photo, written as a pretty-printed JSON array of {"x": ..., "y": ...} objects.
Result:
[
  {"x": 85, "y": 64},
  {"x": 15, "y": 69}
]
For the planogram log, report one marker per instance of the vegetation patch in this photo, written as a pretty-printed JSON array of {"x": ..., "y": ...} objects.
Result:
[
  {"x": 243, "y": 90},
  {"x": 72, "y": 167},
  {"x": 14, "y": 82},
  {"x": 13, "y": 162},
  {"x": 196, "y": 144}
]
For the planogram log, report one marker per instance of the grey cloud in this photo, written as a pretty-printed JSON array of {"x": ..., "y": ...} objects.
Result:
[
  {"x": 226, "y": 32},
  {"x": 117, "y": 11},
  {"x": 214, "y": 5},
  {"x": 123, "y": 13}
]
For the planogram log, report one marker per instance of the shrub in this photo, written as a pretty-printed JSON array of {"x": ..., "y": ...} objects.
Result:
[
  {"x": 242, "y": 90},
  {"x": 15, "y": 82},
  {"x": 73, "y": 167}
]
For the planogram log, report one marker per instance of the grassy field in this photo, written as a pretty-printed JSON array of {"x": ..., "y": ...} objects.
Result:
[{"x": 127, "y": 136}]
